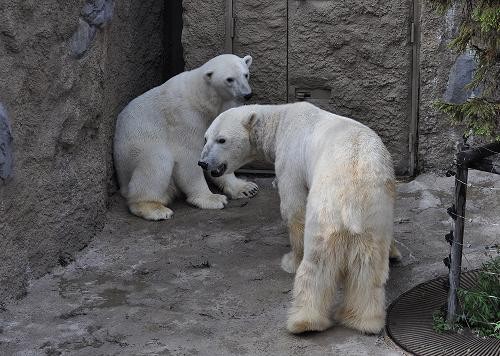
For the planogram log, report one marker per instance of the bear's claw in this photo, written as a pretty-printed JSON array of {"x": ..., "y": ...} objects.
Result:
[{"x": 243, "y": 190}]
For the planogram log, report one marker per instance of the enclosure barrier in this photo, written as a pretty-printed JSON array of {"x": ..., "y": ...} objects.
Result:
[{"x": 467, "y": 158}]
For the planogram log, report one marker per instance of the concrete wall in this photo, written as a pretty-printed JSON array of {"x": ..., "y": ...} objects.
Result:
[
  {"x": 319, "y": 45},
  {"x": 261, "y": 32},
  {"x": 358, "y": 50},
  {"x": 204, "y": 31},
  {"x": 66, "y": 69},
  {"x": 359, "y": 54}
]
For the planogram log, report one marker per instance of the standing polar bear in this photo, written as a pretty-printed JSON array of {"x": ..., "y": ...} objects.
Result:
[
  {"x": 159, "y": 137},
  {"x": 336, "y": 184}
]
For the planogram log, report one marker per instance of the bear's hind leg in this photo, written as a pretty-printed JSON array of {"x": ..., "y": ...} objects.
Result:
[
  {"x": 314, "y": 287},
  {"x": 394, "y": 254},
  {"x": 148, "y": 188},
  {"x": 366, "y": 271},
  {"x": 293, "y": 208},
  {"x": 291, "y": 260}
]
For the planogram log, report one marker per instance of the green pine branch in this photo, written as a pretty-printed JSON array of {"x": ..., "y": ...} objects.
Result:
[
  {"x": 479, "y": 31},
  {"x": 479, "y": 116}
]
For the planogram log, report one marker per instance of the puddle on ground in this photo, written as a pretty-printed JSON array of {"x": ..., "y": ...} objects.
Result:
[{"x": 101, "y": 291}]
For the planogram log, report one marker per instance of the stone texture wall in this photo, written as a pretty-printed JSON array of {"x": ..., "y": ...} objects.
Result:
[
  {"x": 442, "y": 76},
  {"x": 204, "y": 31},
  {"x": 358, "y": 50},
  {"x": 325, "y": 46},
  {"x": 359, "y": 54},
  {"x": 66, "y": 69},
  {"x": 261, "y": 31}
]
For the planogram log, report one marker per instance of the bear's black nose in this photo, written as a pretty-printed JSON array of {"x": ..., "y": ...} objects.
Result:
[
  {"x": 203, "y": 165},
  {"x": 248, "y": 96}
]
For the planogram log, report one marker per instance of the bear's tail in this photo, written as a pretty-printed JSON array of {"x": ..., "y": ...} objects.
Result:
[
  {"x": 369, "y": 190},
  {"x": 356, "y": 192}
]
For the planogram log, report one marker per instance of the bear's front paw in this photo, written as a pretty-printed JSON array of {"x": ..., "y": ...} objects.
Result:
[
  {"x": 241, "y": 190},
  {"x": 209, "y": 201}
]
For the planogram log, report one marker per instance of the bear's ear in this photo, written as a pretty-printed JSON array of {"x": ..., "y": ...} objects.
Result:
[
  {"x": 248, "y": 61},
  {"x": 208, "y": 75},
  {"x": 250, "y": 121}
]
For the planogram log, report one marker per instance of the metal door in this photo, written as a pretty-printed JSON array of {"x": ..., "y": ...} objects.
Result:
[
  {"x": 260, "y": 29},
  {"x": 353, "y": 58}
]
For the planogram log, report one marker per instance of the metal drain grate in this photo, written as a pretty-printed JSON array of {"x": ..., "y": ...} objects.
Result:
[{"x": 409, "y": 323}]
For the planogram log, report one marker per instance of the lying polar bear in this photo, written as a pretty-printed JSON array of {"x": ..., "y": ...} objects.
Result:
[
  {"x": 336, "y": 183},
  {"x": 159, "y": 137}
]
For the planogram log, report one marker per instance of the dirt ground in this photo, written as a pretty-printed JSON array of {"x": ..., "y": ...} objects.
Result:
[{"x": 210, "y": 282}]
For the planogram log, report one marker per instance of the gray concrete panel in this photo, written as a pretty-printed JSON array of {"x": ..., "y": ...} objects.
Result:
[
  {"x": 261, "y": 31},
  {"x": 204, "y": 31},
  {"x": 361, "y": 52}
]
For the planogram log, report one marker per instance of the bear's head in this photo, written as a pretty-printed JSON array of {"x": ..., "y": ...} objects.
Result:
[
  {"x": 228, "y": 75},
  {"x": 227, "y": 142}
]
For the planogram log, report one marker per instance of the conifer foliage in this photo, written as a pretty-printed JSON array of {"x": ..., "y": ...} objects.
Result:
[{"x": 479, "y": 32}]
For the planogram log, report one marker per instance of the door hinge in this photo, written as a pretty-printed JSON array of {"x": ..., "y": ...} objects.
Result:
[
  {"x": 410, "y": 142},
  {"x": 412, "y": 32}
]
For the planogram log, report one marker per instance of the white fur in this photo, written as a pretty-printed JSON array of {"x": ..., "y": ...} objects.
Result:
[
  {"x": 336, "y": 184},
  {"x": 159, "y": 136}
]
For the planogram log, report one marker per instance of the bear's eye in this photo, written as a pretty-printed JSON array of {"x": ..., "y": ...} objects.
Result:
[
  {"x": 246, "y": 75},
  {"x": 221, "y": 140},
  {"x": 205, "y": 140},
  {"x": 230, "y": 80}
]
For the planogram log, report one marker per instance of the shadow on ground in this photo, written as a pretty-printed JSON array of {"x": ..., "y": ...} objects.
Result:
[{"x": 209, "y": 282}]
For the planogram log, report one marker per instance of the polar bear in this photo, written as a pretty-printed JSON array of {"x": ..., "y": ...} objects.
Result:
[
  {"x": 159, "y": 137},
  {"x": 336, "y": 184}
]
